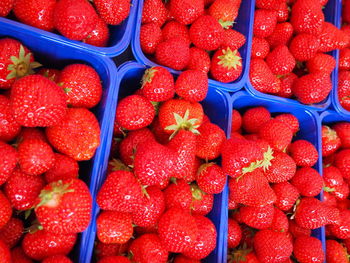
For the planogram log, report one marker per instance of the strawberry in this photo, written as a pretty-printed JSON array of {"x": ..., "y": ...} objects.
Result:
[
  {"x": 282, "y": 168},
  {"x": 268, "y": 4},
  {"x": 252, "y": 190},
  {"x": 75, "y": 19},
  {"x": 276, "y": 133},
  {"x": 37, "y": 101},
  {"x": 289, "y": 119},
  {"x": 286, "y": 194},
  {"x": 211, "y": 178},
  {"x": 202, "y": 203},
  {"x": 199, "y": 60},
  {"x": 18, "y": 255},
  {"x": 225, "y": 11},
  {"x": 286, "y": 85},
  {"x": 280, "y": 60},
  {"x": 298, "y": 231},
  {"x": 206, "y": 239},
  {"x": 150, "y": 37},
  {"x": 308, "y": 250},
  {"x": 42, "y": 244},
  {"x": 35, "y": 13},
  {"x": 113, "y": 12},
  {"x": 342, "y": 162},
  {"x": 335, "y": 252},
  {"x": 31, "y": 133},
  {"x": 5, "y": 254},
  {"x": 5, "y": 210},
  {"x": 265, "y": 22},
  {"x": 186, "y": 11},
  {"x": 344, "y": 89},
  {"x": 236, "y": 121},
  {"x": 280, "y": 221},
  {"x": 341, "y": 192},
  {"x": 174, "y": 29},
  {"x": 50, "y": 73},
  {"x": 120, "y": 192},
  {"x": 22, "y": 189},
  {"x": 260, "y": 48},
  {"x": 321, "y": 63},
  {"x": 8, "y": 161},
  {"x": 341, "y": 230},
  {"x": 177, "y": 230},
  {"x": 304, "y": 153},
  {"x": 329, "y": 199},
  {"x": 6, "y": 7},
  {"x": 272, "y": 246},
  {"x": 308, "y": 181},
  {"x": 178, "y": 195},
  {"x": 262, "y": 78},
  {"x": 257, "y": 217},
  {"x": 343, "y": 131},
  {"x": 82, "y": 85},
  {"x": 234, "y": 233},
  {"x": 226, "y": 65},
  {"x": 233, "y": 39},
  {"x": 12, "y": 232},
  {"x": 281, "y": 35},
  {"x": 77, "y": 135},
  {"x": 304, "y": 46},
  {"x": 254, "y": 118},
  {"x": 64, "y": 207},
  {"x": 105, "y": 250},
  {"x": 344, "y": 59},
  {"x": 99, "y": 36},
  {"x": 114, "y": 227},
  {"x": 114, "y": 259},
  {"x": 154, "y": 11},
  {"x": 182, "y": 259},
  {"x": 64, "y": 168},
  {"x": 332, "y": 38},
  {"x": 9, "y": 128},
  {"x": 312, "y": 88},
  {"x": 57, "y": 259},
  {"x": 173, "y": 53},
  {"x": 192, "y": 85}
]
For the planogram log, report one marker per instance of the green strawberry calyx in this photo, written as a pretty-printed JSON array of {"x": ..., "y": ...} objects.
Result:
[
  {"x": 183, "y": 123},
  {"x": 230, "y": 59},
  {"x": 148, "y": 76},
  {"x": 197, "y": 193},
  {"x": 268, "y": 157},
  {"x": 328, "y": 189},
  {"x": 50, "y": 197},
  {"x": 21, "y": 65},
  {"x": 226, "y": 24}
]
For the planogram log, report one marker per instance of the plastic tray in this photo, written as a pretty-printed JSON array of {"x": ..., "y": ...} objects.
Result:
[
  {"x": 58, "y": 55},
  {"x": 244, "y": 25},
  {"x": 310, "y": 129},
  {"x": 120, "y": 35},
  {"x": 331, "y": 11}
]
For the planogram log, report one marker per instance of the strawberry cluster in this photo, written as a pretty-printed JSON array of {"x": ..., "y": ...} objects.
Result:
[
  {"x": 181, "y": 33},
  {"x": 162, "y": 176},
  {"x": 273, "y": 190},
  {"x": 291, "y": 39},
  {"x": 74, "y": 19},
  {"x": 336, "y": 153},
  {"x": 41, "y": 142}
]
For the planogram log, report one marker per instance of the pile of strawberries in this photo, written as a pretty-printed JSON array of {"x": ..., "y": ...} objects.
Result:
[
  {"x": 194, "y": 34},
  {"x": 74, "y": 19},
  {"x": 336, "y": 155},
  {"x": 43, "y": 204},
  {"x": 291, "y": 39}
]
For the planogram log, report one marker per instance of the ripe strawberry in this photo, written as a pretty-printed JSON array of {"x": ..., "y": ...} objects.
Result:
[
  {"x": 304, "y": 46},
  {"x": 114, "y": 259},
  {"x": 234, "y": 234},
  {"x": 282, "y": 168},
  {"x": 211, "y": 178},
  {"x": 18, "y": 255},
  {"x": 57, "y": 259},
  {"x": 281, "y": 35},
  {"x": 280, "y": 60},
  {"x": 329, "y": 199},
  {"x": 272, "y": 246},
  {"x": 5, "y": 210},
  {"x": 225, "y": 11},
  {"x": 35, "y": 13},
  {"x": 148, "y": 248},
  {"x": 154, "y": 11},
  {"x": 226, "y": 65},
  {"x": 335, "y": 252},
  {"x": 82, "y": 85},
  {"x": 64, "y": 168},
  {"x": 344, "y": 59},
  {"x": 262, "y": 78},
  {"x": 321, "y": 63},
  {"x": 192, "y": 85},
  {"x": 257, "y": 217},
  {"x": 341, "y": 230},
  {"x": 199, "y": 60},
  {"x": 173, "y": 53},
  {"x": 113, "y": 12},
  {"x": 5, "y": 254},
  {"x": 252, "y": 190},
  {"x": 289, "y": 119},
  {"x": 177, "y": 230},
  {"x": 280, "y": 221},
  {"x": 286, "y": 194},
  {"x": 12, "y": 232},
  {"x": 105, "y": 250},
  {"x": 276, "y": 133},
  {"x": 99, "y": 36},
  {"x": 298, "y": 231},
  {"x": 202, "y": 203},
  {"x": 64, "y": 206},
  {"x": 186, "y": 11},
  {"x": 332, "y": 38},
  {"x": 308, "y": 250},
  {"x": 341, "y": 192},
  {"x": 342, "y": 162},
  {"x": 286, "y": 85},
  {"x": 37, "y": 101},
  {"x": 150, "y": 37},
  {"x": 343, "y": 131},
  {"x": 268, "y": 4},
  {"x": 312, "y": 88},
  {"x": 304, "y": 153},
  {"x": 9, "y": 127},
  {"x": 178, "y": 195},
  {"x": 344, "y": 89},
  {"x": 209, "y": 141},
  {"x": 77, "y": 135},
  {"x": 174, "y": 29},
  {"x": 42, "y": 244},
  {"x": 6, "y": 7},
  {"x": 308, "y": 181},
  {"x": 31, "y": 133},
  {"x": 260, "y": 48},
  {"x": 233, "y": 39},
  {"x": 75, "y": 19},
  {"x": 8, "y": 161},
  {"x": 332, "y": 176},
  {"x": 236, "y": 122},
  {"x": 254, "y": 118},
  {"x": 265, "y": 22}
]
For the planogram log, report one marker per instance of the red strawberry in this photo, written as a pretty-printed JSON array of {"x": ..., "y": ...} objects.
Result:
[
  {"x": 282, "y": 168},
  {"x": 202, "y": 203},
  {"x": 289, "y": 119},
  {"x": 280, "y": 60},
  {"x": 42, "y": 244},
  {"x": 234, "y": 234},
  {"x": 308, "y": 250},
  {"x": 276, "y": 133},
  {"x": 150, "y": 37},
  {"x": 173, "y": 53},
  {"x": 77, "y": 135},
  {"x": 174, "y": 29},
  {"x": 199, "y": 60},
  {"x": 154, "y": 11},
  {"x": 64, "y": 168},
  {"x": 312, "y": 88},
  {"x": 37, "y": 101},
  {"x": 8, "y": 161},
  {"x": 257, "y": 217},
  {"x": 308, "y": 181},
  {"x": 18, "y": 255},
  {"x": 64, "y": 206},
  {"x": 178, "y": 195},
  {"x": 211, "y": 178},
  {"x": 225, "y": 11},
  {"x": 286, "y": 194},
  {"x": 9, "y": 127},
  {"x": 236, "y": 122},
  {"x": 264, "y": 22},
  {"x": 5, "y": 254},
  {"x": 341, "y": 230},
  {"x": 335, "y": 252},
  {"x": 31, "y": 133},
  {"x": 113, "y": 12},
  {"x": 114, "y": 259},
  {"x": 233, "y": 39},
  {"x": 286, "y": 85},
  {"x": 120, "y": 192},
  {"x": 344, "y": 59},
  {"x": 148, "y": 248},
  {"x": 280, "y": 221},
  {"x": 254, "y": 118},
  {"x": 341, "y": 192},
  {"x": 104, "y": 250},
  {"x": 343, "y": 131},
  {"x": 332, "y": 176},
  {"x": 6, "y": 7},
  {"x": 182, "y": 259},
  {"x": 57, "y": 259},
  {"x": 12, "y": 232},
  {"x": 192, "y": 85},
  {"x": 260, "y": 48},
  {"x": 281, "y": 35},
  {"x": 298, "y": 231},
  {"x": 5, "y": 210},
  {"x": 82, "y": 85},
  {"x": 99, "y": 36},
  {"x": 332, "y": 38},
  {"x": 321, "y": 63},
  {"x": 177, "y": 230},
  {"x": 268, "y": 4},
  {"x": 304, "y": 46},
  {"x": 272, "y": 246},
  {"x": 75, "y": 19},
  {"x": 344, "y": 89},
  {"x": 186, "y": 11},
  {"x": 304, "y": 153},
  {"x": 22, "y": 189},
  {"x": 226, "y": 65},
  {"x": 35, "y": 13},
  {"x": 342, "y": 162}
]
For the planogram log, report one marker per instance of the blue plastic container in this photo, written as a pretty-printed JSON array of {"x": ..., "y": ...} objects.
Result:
[
  {"x": 120, "y": 35},
  {"x": 331, "y": 12},
  {"x": 309, "y": 122},
  {"x": 58, "y": 55},
  {"x": 244, "y": 24}
]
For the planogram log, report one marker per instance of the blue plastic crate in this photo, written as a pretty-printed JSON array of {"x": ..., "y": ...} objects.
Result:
[
  {"x": 244, "y": 24},
  {"x": 331, "y": 12},
  {"x": 310, "y": 129},
  {"x": 119, "y": 40},
  {"x": 58, "y": 55}
]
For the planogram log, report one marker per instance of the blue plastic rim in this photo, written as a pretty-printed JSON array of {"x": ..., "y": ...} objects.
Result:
[
  {"x": 58, "y": 55},
  {"x": 244, "y": 25},
  {"x": 309, "y": 129},
  {"x": 119, "y": 40}
]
